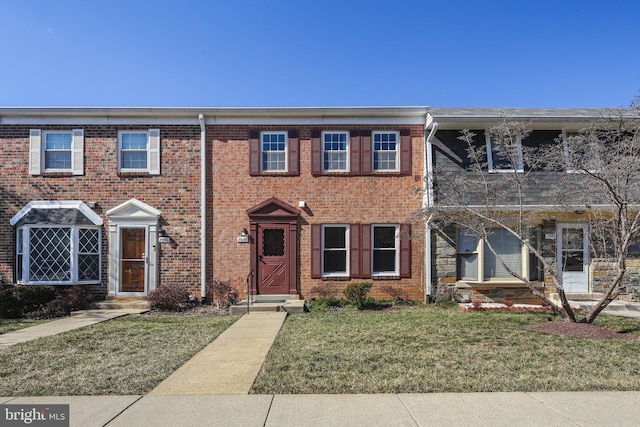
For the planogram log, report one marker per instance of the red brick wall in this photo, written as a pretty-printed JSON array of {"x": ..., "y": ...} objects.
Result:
[
  {"x": 176, "y": 192},
  {"x": 330, "y": 199}
]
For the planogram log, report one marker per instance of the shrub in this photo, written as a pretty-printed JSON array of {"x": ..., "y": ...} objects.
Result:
[
  {"x": 223, "y": 293},
  {"x": 41, "y": 302},
  {"x": 18, "y": 300},
  {"x": 324, "y": 292},
  {"x": 398, "y": 295},
  {"x": 172, "y": 297},
  {"x": 322, "y": 304},
  {"x": 356, "y": 293}
]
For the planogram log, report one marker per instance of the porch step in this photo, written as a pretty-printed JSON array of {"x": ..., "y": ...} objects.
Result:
[
  {"x": 615, "y": 305},
  {"x": 584, "y": 296},
  {"x": 119, "y": 303},
  {"x": 270, "y": 303}
]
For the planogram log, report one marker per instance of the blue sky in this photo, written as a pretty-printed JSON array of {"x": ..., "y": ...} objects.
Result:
[{"x": 260, "y": 53}]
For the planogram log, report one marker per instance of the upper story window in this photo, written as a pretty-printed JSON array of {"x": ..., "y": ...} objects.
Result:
[
  {"x": 504, "y": 154},
  {"x": 56, "y": 151},
  {"x": 274, "y": 151},
  {"x": 139, "y": 151},
  {"x": 335, "y": 154},
  {"x": 385, "y": 151},
  {"x": 581, "y": 153}
]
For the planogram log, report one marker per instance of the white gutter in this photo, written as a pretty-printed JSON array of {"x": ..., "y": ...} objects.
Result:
[
  {"x": 428, "y": 199},
  {"x": 203, "y": 207}
]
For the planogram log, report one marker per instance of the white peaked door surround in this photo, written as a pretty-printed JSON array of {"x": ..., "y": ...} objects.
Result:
[{"x": 133, "y": 248}]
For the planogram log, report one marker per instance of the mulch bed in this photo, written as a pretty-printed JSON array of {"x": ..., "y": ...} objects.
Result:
[
  {"x": 197, "y": 311},
  {"x": 579, "y": 330}
]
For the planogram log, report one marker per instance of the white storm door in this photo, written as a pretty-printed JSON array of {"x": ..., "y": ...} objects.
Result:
[{"x": 573, "y": 257}]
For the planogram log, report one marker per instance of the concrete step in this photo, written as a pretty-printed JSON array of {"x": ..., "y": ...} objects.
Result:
[
  {"x": 583, "y": 296},
  {"x": 616, "y": 305},
  {"x": 118, "y": 303}
]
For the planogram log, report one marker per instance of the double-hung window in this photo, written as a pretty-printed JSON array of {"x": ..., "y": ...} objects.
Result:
[
  {"x": 477, "y": 262},
  {"x": 274, "y": 151},
  {"x": 385, "y": 151},
  {"x": 360, "y": 250},
  {"x": 581, "y": 152},
  {"x": 504, "y": 154},
  {"x": 57, "y": 151},
  {"x": 385, "y": 250},
  {"x": 335, "y": 154},
  {"x": 139, "y": 151},
  {"x": 335, "y": 250},
  {"x": 53, "y": 254}
]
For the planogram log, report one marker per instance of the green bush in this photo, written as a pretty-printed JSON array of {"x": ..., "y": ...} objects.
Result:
[{"x": 356, "y": 293}]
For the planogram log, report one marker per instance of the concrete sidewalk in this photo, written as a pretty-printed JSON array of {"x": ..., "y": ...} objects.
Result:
[
  {"x": 231, "y": 363},
  {"x": 77, "y": 320},
  {"x": 438, "y": 409}
]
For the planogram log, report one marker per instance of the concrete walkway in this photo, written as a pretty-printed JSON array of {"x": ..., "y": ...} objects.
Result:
[
  {"x": 437, "y": 409},
  {"x": 230, "y": 364},
  {"x": 76, "y": 320}
]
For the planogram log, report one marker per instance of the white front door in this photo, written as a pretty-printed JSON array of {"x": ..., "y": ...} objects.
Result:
[{"x": 573, "y": 256}]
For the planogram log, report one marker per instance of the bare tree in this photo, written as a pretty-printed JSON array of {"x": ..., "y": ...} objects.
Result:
[{"x": 596, "y": 169}]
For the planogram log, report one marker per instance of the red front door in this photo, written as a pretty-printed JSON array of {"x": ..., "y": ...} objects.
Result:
[{"x": 273, "y": 253}]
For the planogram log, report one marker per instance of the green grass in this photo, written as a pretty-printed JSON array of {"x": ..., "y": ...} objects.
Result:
[
  {"x": 9, "y": 325},
  {"x": 434, "y": 349},
  {"x": 129, "y": 355}
]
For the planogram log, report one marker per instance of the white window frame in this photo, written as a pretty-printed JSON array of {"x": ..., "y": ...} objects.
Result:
[
  {"x": 73, "y": 249},
  {"x": 492, "y": 169},
  {"x": 121, "y": 151},
  {"x": 286, "y": 152},
  {"x": 45, "y": 133},
  {"x": 346, "y": 150},
  {"x": 480, "y": 251},
  {"x": 396, "y": 151},
  {"x": 346, "y": 249},
  {"x": 565, "y": 146},
  {"x": 396, "y": 239}
]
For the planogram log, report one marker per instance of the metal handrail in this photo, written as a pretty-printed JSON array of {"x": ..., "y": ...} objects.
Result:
[{"x": 249, "y": 289}]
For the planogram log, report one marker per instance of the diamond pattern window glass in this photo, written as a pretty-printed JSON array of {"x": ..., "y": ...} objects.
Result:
[
  {"x": 88, "y": 254},
  {"x": 58, "y": 255},
  {"x": 50, "y": 255}
]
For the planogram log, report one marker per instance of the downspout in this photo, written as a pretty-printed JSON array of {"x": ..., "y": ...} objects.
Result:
[
  {"x": 428, "y": 198},
  {"x": 203, "y": 207}
]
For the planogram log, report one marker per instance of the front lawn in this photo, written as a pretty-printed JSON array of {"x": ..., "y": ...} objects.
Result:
[
  {"x": 431, "y": 349},
  {"x": 128, "y": 355}
]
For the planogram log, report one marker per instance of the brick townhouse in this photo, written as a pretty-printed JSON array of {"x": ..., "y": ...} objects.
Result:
[{"x": 306, "y": 199}]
